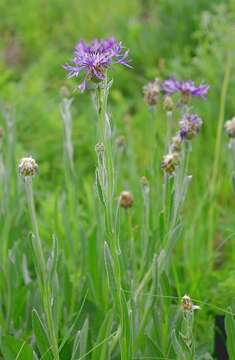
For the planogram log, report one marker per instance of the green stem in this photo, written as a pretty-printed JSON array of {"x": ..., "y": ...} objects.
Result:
[
  {"x": 107, "y": 168},
  {"x": 217, "y": 152},
  {"x": 40, "y": 264}
]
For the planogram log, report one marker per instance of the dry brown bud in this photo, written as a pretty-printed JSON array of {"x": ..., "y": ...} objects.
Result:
[{"x": 126, "y": 200}]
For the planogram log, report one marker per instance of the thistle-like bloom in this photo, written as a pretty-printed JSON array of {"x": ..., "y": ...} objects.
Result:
[
  {"x": 230, "y": 127},
  {"x": 95, "y": 58},
  {"x": 190, "y": 126},
  {"x": 152, "y": 92},
  {"x": 186, "y": 88},
  {"x": 126, "y": 200},
  {"x": 170, "y": 162},
  {"x": 28, "y": 167}
]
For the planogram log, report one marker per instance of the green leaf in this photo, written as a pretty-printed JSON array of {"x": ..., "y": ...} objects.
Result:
[
  {"x": 41, "y": 336},
  {"x": 230, "y": 331},
  {"x": 161, "y": 226},
  {"x": 99, "y": 188},
  {"x": 101, "y": 352},
  {"x": 15, "y": 349},
  {"x": 181, "y": 350},
  {"x": 75, "y": 352},
  {"x": 83, "y": 338},
  {"x": 109, "y": 265},
  {"x": 233, "y": 183}
]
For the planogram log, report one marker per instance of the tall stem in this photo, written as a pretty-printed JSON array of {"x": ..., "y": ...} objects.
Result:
[
  {"x": 107, "y": 183},
  {"x": 40, "y": 265},
  {"x": 215, "y": 169}
]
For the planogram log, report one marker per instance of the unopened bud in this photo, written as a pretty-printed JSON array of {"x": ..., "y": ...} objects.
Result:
[
  {"x": 170, "y": 162},
  {"x": 152, "y": 92},
  {"x": 28, "y": 167},
  {"x": 168, "y": 103},
  {"x": 187, "y": 304},
  {"x": 99, "y": 148},
  {"x": 176, "y": 143},
  {"x": 230, "y": 127},
  {"x": 126, "y": 200},
  {"x": 145, "y": 184}
]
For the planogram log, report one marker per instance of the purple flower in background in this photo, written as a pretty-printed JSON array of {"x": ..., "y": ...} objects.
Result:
[
  {"x": 190, "y": 126},
  {"x": 186, "y": 88},
  {"x": 170, "y": 86},
  {"x": 94, "y": 58}
]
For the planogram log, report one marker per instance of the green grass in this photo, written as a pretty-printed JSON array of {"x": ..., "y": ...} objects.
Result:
[{"x": 107, "y": 306}]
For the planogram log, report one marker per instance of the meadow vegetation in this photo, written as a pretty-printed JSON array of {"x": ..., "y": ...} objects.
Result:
[{"x": 110, "y": 249}]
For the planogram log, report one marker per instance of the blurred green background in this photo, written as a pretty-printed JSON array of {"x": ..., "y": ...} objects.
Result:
[{"x": 189, "y": 39}]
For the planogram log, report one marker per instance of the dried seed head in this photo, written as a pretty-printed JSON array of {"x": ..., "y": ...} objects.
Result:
[
  {"x": 168, "y": 103},
  {"x": 230, "y": 127},
  {"x": 170, "y": 162},
  {"x": 126, "y": 200},
  {"x": 152, "y": 92},
  {"x": 28, "y": 167},
  {"x": 99, "y": 148}
]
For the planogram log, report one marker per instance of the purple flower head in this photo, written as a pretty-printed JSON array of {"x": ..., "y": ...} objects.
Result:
[
  {"x": 94, "y": 58},
  {"x": 190, "y": 126},
  {"x": 186, "y": 88},
  {"x": 170, "y": 86}
]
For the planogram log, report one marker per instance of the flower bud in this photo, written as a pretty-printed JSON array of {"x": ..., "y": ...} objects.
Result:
[
  {"x": 187, "y": 304},
  {"x": 230, "y": 127},
  {"x": 145, "y": 184},
  {"x": 126, "y": 200},
  {"x": 99, "y": 148},
  {"x": 176, "y": 143},
  {"x": 152, "y": 92},
  {"x": 28, "y": 167},
  {"x": 170, "y": 162},
  {"x": 168, "y": 103},
  {"x": 190, "y": 126}
]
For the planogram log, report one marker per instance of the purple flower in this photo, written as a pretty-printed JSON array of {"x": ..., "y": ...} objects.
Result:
[
  {"x": 170, "y": 86},
  {"x": 190, "y": 126},
  {"x": 94, "y": 58},
  {"x": 189, "y": 88},
  {"x": 186, "y": 88}
]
